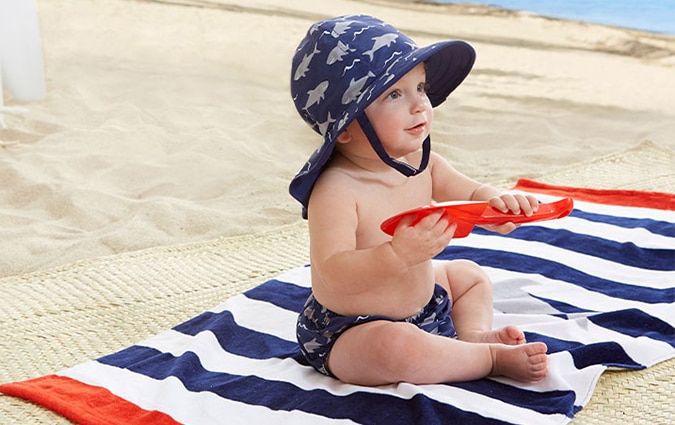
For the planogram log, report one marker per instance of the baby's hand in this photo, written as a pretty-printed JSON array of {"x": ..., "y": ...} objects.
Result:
[
  {"x": 424, "y": 240},
  {"x": 516, "y": 204}
]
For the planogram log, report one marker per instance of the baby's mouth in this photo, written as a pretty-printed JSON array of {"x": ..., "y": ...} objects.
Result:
[{"x": 418, "y": 127}]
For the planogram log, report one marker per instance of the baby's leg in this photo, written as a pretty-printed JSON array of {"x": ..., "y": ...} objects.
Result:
[
  {"x": 382, "y": 352},
  {"x": 471, "y": 292}
]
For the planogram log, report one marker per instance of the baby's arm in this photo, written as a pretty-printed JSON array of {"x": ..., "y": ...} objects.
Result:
[{"x": 451, "y": 185}]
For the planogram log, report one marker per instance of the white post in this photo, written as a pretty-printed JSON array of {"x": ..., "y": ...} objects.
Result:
[{"x": 21, "y": 63}]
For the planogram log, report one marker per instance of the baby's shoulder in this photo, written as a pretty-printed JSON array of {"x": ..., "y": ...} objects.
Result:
[
  {"x": 336, "y": 174},
  {"x": 333, "y": 181}
]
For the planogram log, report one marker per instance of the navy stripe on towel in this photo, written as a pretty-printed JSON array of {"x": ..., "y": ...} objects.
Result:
[{"x": 286, "y": 396}]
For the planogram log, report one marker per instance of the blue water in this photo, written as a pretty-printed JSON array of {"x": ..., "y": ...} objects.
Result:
[{"x": 647, "y": 15}]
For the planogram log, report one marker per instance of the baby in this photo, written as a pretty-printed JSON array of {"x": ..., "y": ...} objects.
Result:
[{"x": 380, "y": 312}]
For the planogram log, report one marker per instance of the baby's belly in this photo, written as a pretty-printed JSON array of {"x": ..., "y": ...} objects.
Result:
[{"x": 397, "y": 301}]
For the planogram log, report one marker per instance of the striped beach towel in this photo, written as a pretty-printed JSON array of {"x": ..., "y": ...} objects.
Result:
[{"x": 597, "y": 286}]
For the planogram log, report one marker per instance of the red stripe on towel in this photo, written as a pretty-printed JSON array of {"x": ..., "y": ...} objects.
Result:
[
  {"x": 621, "y": 197},
  {"x": 82, "y": 403}
]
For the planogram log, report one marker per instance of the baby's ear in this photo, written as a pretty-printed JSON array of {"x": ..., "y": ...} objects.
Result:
[
  {"x": 348, "y": 134},
  {"x": 344, "y": 137}
]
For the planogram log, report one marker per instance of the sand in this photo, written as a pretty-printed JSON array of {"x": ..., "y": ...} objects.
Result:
[{"x": 171, "y": 122}]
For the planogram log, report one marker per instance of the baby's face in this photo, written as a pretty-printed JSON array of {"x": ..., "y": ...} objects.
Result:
[{"x": 403, "y": 114}]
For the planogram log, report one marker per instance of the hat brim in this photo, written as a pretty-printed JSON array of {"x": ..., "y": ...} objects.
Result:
[{"x": 447, "y": 65}]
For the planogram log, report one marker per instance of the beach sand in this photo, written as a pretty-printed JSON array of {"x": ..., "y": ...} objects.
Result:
[{"x": 171, "y": 122}]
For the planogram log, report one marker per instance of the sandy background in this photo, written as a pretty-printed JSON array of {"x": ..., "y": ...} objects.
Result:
[{"x": 171, "y": 122}]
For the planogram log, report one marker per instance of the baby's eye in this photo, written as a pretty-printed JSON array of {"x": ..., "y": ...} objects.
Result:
[
  {"x": 422, "y": 87},
  {"x": 394, "y": 95}
]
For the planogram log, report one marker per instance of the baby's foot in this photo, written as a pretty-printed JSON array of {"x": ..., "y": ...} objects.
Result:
[
  {"x": 509, "y": 335},
  {"x": 525, "y": 362}
]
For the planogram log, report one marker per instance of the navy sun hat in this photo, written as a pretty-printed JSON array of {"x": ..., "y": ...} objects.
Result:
[{"x": 343, "y": 64}]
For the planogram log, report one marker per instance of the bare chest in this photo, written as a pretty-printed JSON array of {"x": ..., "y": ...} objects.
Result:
[{"x": 378, "y": 202}]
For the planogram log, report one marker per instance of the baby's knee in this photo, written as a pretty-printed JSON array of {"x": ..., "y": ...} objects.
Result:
[
  {"x": 467, "y": 271},
  {"x": 460, "y": 276},
  {"x": 469, "y": 266},
  {"x": 399, "y": 350}
]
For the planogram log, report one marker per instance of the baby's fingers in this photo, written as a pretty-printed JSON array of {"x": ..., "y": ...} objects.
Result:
[
  {"x": 528, "y": 204},
  {"x": 499, "y": 204},
  {"x": 516, "y": 204},
  {"x": 405, "y": 222},
  {"x": 436, "y": 219},
  {"x": 503, "y": 229}
]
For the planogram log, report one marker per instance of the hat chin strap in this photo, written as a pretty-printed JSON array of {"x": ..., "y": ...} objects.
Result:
[{"x": 400, "y": 166}]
